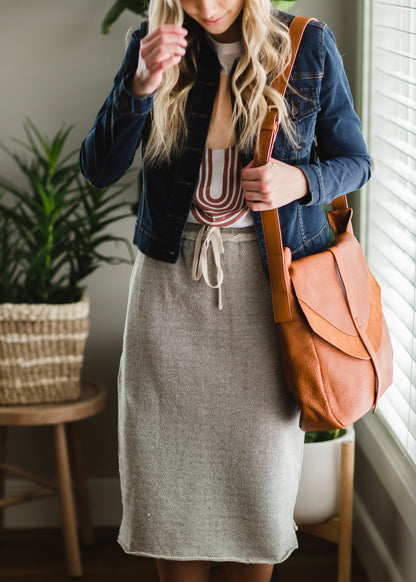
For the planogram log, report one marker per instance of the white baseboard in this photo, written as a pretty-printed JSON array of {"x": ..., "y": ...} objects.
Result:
[
  {"x": 106, "y": 511},
  {"x": 385, "y": 540},
  {"x": 44, "y": 513},
  {"x": 393, "y": 468},
  {"x": 374, "y": 554}
]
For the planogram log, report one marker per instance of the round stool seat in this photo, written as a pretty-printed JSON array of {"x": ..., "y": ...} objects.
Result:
[{"x": 91, "y": 401}]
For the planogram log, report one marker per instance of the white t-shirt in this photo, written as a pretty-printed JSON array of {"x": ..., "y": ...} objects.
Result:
[{"x": 218, "y": 198}]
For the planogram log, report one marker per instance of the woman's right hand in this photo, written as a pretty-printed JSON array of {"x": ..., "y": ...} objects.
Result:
[{"x": 163, "y": 48}]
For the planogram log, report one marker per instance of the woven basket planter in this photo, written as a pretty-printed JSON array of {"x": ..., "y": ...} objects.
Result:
[{"x": 42, "y": 351}]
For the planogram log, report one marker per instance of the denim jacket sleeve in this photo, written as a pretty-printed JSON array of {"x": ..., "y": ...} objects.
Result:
[
  {"x": 109, "y": 148},
  {"x": 343, "y": 163}
]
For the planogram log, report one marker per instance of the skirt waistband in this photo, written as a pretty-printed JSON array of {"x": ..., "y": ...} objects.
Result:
[{"x": 228, "y": 234}]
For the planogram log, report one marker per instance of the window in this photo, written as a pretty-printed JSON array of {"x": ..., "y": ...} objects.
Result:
[{"x": 390, "y": 214}]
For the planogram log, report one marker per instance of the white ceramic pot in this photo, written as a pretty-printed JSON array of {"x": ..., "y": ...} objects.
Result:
[{"x": 318, "y": 494}]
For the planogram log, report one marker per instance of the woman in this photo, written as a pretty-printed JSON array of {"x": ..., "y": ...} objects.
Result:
[{"x": 210, "y": 448}]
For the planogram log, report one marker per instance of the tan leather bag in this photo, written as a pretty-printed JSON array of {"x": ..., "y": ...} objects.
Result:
[{"x": 335, "y": 347}]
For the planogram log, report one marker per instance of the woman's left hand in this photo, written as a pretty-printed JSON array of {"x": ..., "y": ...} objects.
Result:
[{"x": 273, "y": 185}]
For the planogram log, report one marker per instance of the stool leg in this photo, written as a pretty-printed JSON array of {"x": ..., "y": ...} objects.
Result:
[
  {"x": 66, "y": 500},
  {"x": 78, "y": 471},
  {"x": 3, "y": 444},
  {"x": 345, "y": 511}
]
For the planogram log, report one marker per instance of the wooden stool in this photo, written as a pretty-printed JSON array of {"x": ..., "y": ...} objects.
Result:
[
  {"x": 338, "y": 529},
  {"x": 62, "y": 417}
]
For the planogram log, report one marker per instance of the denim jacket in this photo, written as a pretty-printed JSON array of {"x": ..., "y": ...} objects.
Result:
[{"x": 320, "y": 105}]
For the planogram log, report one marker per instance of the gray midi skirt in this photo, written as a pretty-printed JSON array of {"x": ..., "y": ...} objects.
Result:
[{"x": 209, "y": 443}]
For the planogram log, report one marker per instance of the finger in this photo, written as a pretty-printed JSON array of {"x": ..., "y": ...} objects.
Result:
[
  {"x": 162, "y": 60},
  {"x": 252, "y": 195},
  {"x": 260, "y": 206},
  {"x": 172, "y": 28},
  {"x": 250, "y": 173},
  {"x": 256, "y": 178},
  {"x": 249, "y": 165},
  {"x": 251, "y": 185},
  {"x": 161, "y": 54},
  {"x": 256, "y": 196},
  {"x": 166, "y": 29},
  {"x": 163, "y": 39},
  {"x": 261, "y": 185},
  {"x": 158, "y": 52},
  {"x": 250, "y": 170},
  {"x": 166, "y": 43},
  {"x": 165, "y": 64}
]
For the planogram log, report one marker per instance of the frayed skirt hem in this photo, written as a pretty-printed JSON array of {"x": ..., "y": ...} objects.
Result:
[{"x": 206, "y": 558}]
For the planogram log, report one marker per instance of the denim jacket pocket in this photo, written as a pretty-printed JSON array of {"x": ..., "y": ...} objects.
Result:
[{"x": 303, "y": 107}]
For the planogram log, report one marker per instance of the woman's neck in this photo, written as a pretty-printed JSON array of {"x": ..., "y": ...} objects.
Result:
[{"x": 232, "y": 34}]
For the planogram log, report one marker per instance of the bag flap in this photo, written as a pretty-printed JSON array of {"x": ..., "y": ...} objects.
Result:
[{"x": 337, "y": 292}]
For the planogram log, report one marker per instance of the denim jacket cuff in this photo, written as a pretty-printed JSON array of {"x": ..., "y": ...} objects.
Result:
[
  {"x": 126, "y": 103},
  {"x": 314, "y": 178}
]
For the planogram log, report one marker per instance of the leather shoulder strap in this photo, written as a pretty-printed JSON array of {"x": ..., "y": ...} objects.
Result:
[
  {"x": 270, "y": 125},
  {"x": 279, "y": 279}
]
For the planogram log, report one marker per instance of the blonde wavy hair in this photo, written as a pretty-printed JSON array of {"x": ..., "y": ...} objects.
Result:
[{"x": 266, "y": 50}]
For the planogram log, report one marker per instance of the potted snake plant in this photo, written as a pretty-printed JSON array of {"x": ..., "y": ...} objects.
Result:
[{"x": 51, "y": 233}]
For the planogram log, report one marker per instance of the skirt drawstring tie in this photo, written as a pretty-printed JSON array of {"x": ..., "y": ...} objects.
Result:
[{"x": 209, "y": 237}]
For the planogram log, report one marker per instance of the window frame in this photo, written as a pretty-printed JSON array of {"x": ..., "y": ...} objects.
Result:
[{"x": 364, "y": 219}]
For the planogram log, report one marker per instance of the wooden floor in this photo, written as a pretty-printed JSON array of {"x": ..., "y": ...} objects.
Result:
[{"x": 37, "y": 556}]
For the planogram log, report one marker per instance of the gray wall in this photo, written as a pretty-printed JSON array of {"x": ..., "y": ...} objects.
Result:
[{"x": 58, "y": 68}]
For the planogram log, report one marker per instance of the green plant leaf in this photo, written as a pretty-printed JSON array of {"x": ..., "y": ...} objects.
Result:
[
  {"x": 323, "y": 435},
  {"x": 52, "y": 227},
  {"x": 112, "y": 15},
  {"x": 30, "y": 129}
]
